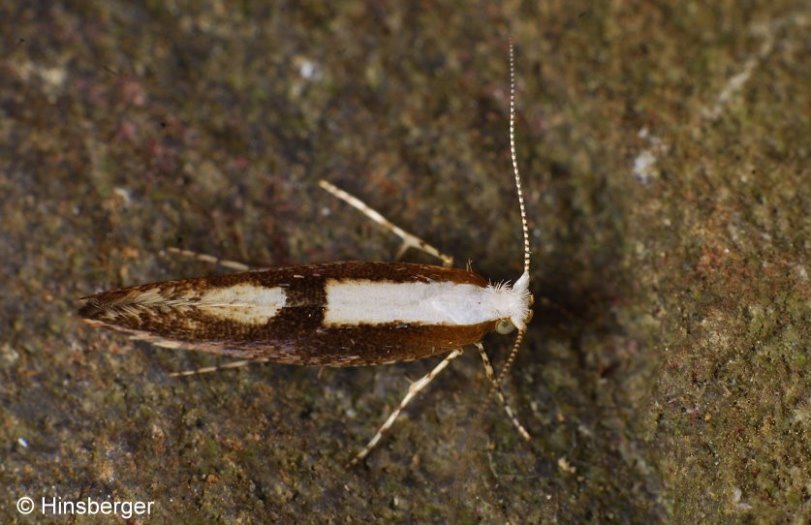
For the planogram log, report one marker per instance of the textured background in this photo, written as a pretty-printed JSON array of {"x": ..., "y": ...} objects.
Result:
[{"x": 665, "y": 152}]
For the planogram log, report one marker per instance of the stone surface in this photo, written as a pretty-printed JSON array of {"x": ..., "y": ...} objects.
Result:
[{"x": 665, "y": 149}]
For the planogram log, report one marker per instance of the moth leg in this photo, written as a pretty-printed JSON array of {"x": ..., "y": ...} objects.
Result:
[
  {"x": 413, "y": 390},
  {"x": 409, "y": 240},
  {"x": 225, "y": 263},
  {"x": 491, "y": 375},
  {"x": 209, "y": 369}
]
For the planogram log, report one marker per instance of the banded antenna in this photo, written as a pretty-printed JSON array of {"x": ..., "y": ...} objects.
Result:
[{"x": 524, "y": 228}]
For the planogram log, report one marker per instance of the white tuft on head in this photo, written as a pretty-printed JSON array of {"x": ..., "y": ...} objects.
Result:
[{"x": 512, "y": 302}]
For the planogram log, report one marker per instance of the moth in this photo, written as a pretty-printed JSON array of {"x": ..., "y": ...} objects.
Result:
[{"x": 338, "y": 314}]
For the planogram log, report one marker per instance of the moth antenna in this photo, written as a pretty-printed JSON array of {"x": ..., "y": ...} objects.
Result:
[
  {"x": 496, "y": 390},
  {"x": 519, "y": 338},
  {"x": 524, "y": 228}
]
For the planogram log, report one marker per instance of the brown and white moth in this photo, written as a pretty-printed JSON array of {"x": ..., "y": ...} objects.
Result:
[{"x": 335, "y": 314}]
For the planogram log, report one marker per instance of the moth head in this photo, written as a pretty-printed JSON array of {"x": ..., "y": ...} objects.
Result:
[
  {"x": 522, "y": 310},
  {"x": 513, "y": 305}
]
